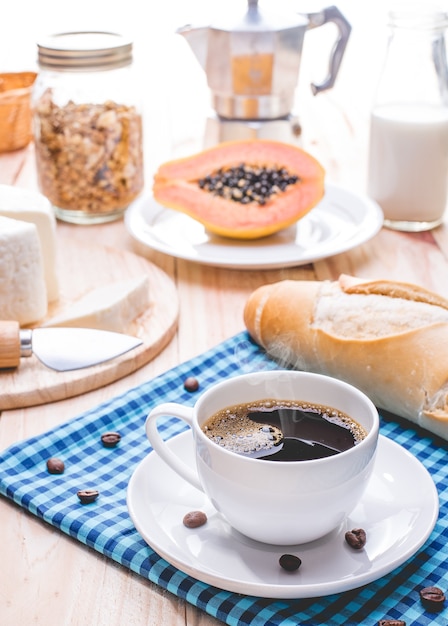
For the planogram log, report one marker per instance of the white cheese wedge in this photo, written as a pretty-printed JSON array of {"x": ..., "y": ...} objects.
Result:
[
  {"x": 29, "y": 206},
  {"x": 23, "y": 294},
  {"x": 113, "y": 307}
]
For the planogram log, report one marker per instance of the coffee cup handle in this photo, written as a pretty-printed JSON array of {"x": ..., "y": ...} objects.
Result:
[{"x": 159, "y": 445}]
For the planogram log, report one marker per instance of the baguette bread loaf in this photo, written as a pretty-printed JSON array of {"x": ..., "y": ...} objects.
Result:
[{"x": 387, "y": 338}]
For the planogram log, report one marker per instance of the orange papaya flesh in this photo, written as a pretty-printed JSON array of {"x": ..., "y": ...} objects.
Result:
[{"x": 179, "y": 185}]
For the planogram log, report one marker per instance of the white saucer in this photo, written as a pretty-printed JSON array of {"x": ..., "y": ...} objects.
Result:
[
  {"x": 341, "y": 221},
  {"x": 398, "y": 512}
]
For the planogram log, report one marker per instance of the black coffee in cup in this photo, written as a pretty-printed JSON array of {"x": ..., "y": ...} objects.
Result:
[{"x": 277, "y": 430}]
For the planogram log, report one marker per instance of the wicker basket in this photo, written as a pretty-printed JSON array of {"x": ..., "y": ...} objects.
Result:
[{"x": 15, "y": 110}]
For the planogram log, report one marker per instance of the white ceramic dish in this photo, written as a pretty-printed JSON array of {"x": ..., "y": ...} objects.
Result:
[
  {"x": 340, "y": 222},
  {"x": 398, "y": 512}
]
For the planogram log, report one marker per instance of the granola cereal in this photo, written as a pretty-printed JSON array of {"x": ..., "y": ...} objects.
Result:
[{"x": 89, "y": 155}]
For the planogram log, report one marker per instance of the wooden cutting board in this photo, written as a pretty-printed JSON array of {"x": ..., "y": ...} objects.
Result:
[{"x": 81, "y": 269}]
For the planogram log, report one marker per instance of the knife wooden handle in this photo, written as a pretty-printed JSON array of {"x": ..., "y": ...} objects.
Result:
[{"x": 9, "y": 344}]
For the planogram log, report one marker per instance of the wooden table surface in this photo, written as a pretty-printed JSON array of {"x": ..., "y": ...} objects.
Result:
[{"x": 47, "y": 578}]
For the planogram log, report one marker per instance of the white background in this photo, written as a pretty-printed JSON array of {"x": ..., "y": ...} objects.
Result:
[{"x": 172, "y": 82}]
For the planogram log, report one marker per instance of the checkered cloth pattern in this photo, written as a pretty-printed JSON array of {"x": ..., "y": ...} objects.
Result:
[{"x": 107, "y": 527}]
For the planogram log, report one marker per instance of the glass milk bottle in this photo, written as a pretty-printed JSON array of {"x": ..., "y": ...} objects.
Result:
[{"x": 408, "y": 155}]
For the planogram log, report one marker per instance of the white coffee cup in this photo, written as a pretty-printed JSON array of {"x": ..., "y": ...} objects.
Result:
[{"x": 281, "y": 502}]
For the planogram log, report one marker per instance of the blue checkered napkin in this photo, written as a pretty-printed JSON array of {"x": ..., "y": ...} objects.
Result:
[{"x": 107, "y": 527}]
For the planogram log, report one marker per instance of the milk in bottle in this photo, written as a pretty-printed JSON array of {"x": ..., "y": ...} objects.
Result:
[{"x": 408, "y": 152}]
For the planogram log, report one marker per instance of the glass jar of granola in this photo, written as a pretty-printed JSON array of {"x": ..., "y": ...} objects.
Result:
[{"x": 87, "y": 126}]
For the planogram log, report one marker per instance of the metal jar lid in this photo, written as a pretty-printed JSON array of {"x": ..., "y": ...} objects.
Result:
[{"x": 84, "y": 51}]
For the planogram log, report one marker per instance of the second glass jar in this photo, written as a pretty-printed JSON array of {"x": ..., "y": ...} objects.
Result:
[{"x": 88, "y": 131}]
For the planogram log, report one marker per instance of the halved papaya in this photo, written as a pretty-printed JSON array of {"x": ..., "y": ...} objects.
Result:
[{"x": 242, "y": 189}]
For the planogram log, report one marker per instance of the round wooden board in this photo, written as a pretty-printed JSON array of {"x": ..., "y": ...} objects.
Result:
[{"x": 80, "y": 269}]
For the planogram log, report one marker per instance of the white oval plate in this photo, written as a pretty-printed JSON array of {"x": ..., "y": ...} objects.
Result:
[
  {"x": 398, "y": 512},
  {"x": 341, "y": 221}
]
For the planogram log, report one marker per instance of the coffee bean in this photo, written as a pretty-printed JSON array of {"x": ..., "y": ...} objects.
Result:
[
  {"x": 86, "y": 496},
  {"x": 356, "y": 538},
  {"x": 191, "y": 384},
  {"x": 55, "y": 466},
  {"x": 432, "y": 599},
  {"x": 110, "y": 439},
  {"x": 391, "y": 622},
  {"x": 194, "y": 519},
  {"x": 290, "y": 562}
]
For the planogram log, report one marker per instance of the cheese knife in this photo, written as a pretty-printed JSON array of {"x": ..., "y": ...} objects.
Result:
[{"x": 61, "y": 349}]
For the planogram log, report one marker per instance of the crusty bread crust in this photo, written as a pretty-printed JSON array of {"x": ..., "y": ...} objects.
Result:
[
  {"x": 405, "y": 291},
  {"x": 403, "y": 372}
]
